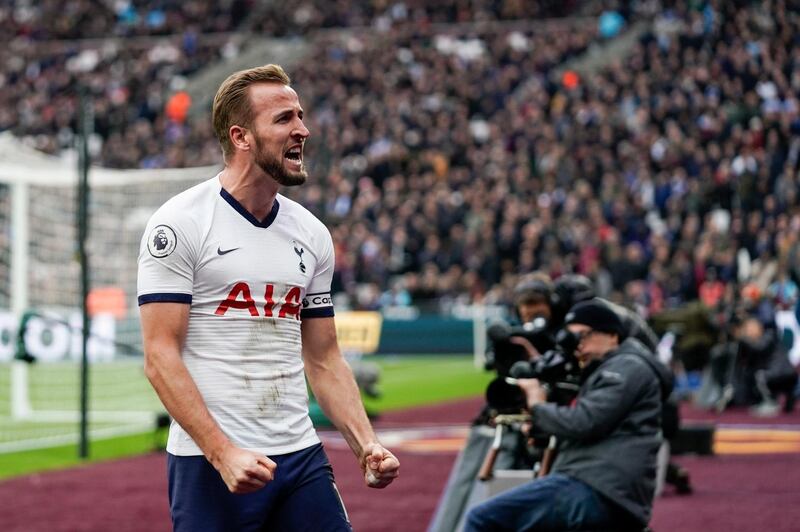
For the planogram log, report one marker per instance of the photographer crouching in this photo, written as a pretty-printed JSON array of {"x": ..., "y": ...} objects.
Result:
[{"x": 604, "y": 474}]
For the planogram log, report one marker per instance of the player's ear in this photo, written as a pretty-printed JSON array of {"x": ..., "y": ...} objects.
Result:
[{"x": 239, "y": 137}]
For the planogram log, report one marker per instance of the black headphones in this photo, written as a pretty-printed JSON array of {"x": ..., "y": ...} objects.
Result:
[{"x": 571, "y": 289}]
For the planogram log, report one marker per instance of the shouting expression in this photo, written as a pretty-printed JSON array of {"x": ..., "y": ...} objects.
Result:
[{"x": 279, "y": 133}]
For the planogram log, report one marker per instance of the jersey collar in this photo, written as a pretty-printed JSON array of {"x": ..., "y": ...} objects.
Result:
[{"x": 246, "y": 214}]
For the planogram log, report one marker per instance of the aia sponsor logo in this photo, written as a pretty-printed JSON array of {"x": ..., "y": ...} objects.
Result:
[{"x": 282, "y": 306}]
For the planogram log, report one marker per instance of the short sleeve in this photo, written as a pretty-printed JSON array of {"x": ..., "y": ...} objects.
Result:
[
  {"x": 167, "y": 258},
  {"x": 318, "y": 302}
]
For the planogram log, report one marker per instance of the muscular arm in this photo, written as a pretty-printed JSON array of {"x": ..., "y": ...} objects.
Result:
[
  {"x": 335, "y": 389},
  {"x": 164, "y": 327}
]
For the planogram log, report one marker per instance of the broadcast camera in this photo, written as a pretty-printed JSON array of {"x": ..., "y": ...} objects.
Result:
[
  {"x": 536, "y": 348},
  {"x": 557, "y": 369},
  {"x": 512, "y": 344}
]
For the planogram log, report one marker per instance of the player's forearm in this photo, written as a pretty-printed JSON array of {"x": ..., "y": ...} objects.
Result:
[
  {"x": 337, "y": 393},
  {"x": 179, "y": 394}
]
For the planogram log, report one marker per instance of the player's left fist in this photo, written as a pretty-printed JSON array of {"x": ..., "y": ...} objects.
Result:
[{"x": 380, "y": 466}]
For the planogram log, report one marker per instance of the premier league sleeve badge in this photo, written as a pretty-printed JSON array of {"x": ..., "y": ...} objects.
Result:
[{"x": 162, "y": 241}]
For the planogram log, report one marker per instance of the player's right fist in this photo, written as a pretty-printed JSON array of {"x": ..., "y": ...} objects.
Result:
[
  {"x": 245, "y": 471},
  {"x": 380, "y": 466}
]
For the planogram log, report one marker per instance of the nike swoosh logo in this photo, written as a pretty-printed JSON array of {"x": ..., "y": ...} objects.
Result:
[{"x": 220, "y": 251}]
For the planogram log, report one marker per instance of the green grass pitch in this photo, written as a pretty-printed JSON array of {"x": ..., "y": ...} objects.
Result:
[{"x": 406, "y": 381}]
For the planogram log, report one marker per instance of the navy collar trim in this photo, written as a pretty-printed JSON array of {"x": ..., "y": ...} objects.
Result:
[{"x": 244, "y": 212}]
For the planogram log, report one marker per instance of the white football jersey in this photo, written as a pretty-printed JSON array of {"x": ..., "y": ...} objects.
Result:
[{"x": 249, "y": 283}]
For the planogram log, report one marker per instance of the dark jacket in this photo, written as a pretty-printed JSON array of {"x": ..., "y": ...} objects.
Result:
[{"x": 610, "y": 437}]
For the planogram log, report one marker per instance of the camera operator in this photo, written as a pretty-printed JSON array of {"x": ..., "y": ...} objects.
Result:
[
  {"x": 533, "y": 297},
  {"x": 754, "y": 367},
  {"x": 540, "y": 304},
  {"x": 535, "y": 332},
  {"x": 524, "y": 339},
  {"x": 604, "y": 474},
  {"x": 571, "y": 289}
]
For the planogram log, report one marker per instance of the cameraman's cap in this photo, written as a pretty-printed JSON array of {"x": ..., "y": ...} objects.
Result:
[{"x": 595, "y": 314}]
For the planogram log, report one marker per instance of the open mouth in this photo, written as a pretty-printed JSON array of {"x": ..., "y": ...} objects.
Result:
[{"x": 294, "y": 154}]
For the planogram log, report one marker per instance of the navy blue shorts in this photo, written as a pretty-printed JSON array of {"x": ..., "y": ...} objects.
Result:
[{"x": 303, "y": 496}]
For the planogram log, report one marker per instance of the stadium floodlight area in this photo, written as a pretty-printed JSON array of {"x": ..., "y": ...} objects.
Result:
[{"x": 40, "y": 295}]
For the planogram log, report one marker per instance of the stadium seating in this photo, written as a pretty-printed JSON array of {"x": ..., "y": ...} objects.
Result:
[{"x": 447, "y": 159}]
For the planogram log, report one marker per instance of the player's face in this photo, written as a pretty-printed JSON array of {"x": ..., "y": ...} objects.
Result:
[{"x": 279, "y": 133}]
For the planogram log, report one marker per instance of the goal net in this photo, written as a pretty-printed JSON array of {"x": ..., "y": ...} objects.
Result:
[{"x": 40, "y": 297}]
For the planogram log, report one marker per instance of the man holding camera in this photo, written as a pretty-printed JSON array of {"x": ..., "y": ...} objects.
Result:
[
  {"x": 604, "y": 474},
  {"x": 533, "y": 304}
]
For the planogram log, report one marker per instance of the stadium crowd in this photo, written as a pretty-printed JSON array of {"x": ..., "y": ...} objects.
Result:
[
  {"x": 450, "y": 159},
  {"x": 135, "y": 60},
  {"x": 667, "y": 177},
  {"x": 82, "y": 19},
  {"x": 411, "y": 150},
  {"x": 92, "y": 19}
]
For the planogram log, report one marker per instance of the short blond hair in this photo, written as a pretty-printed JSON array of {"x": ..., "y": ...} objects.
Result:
[{"x": 232, "y": 101}]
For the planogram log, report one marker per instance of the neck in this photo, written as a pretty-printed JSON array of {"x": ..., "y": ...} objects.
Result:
[{"x": 251, "y": 187}]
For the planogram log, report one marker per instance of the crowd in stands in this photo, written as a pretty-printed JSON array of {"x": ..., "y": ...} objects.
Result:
[
  {"x": 448, "y": 160},
  {"x": 97, "y": 19},
  {"x": 45, "y": 20},
  {"x": 136, "y": 56},
  {"x": 667, "y": 177},
  {"x": 383, "y": 14},
  {"x": 414, "y": 153},
  {"x": 130, "y": 85}
]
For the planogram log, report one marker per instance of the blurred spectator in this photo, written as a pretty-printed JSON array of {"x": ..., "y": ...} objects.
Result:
[
  {"x": 711, "y": 289},
  {"x": 754, "y": 369}
]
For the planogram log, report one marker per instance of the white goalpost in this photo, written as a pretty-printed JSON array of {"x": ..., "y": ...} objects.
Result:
[{"x": 40, "y": 294}]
